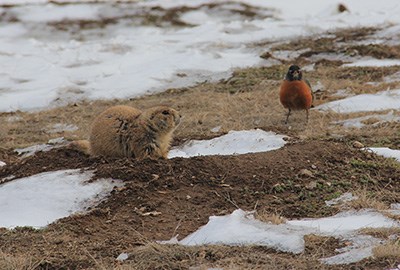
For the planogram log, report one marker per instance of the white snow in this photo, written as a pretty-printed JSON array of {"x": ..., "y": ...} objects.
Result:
[
  {"x": 241, "y": 228},
  {"x": 346, "y": 222},
  {"x": 58, "y": 128},
  {"x": 43, "y": 65},
  {"x": 386, "y": 152},
  {"x": 345, "y": 197},
  {"x": 360, "y": 249},
  {"x": 374, "y": 63},
  {"x": 392, "y": 78},
  {"x": 51, "y": 144},
  {"x": 358, "y": 122},
  {"x": 233, "y": 143},
  {"x": 385, "y": 100},
  {"x": 2, "y": 163},
  {"x": 41, "y": 199}
]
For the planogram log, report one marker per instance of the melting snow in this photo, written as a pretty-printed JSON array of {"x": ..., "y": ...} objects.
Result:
[
  {"x": 384, "y": 100},
  {"x": 57, "y": 128},
  {"x": 51, "y": 144},
  {"x": 358, "y": 122},
  {"x": 241, "y": 228},
  {"x": 46, "y": 66},
  {"x": 235, "y": 142},
  {"x": 386, "y": 152},
  {"x": 43, "y": 198},
  {"x": 374, "y": 63},
  {"x": 345, "y": 197},
  {"x": 392, "y": 78}
]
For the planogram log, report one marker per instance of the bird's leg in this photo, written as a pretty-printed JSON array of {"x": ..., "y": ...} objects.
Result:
[
  {"x": 307, "y": 112},
  {"x": 287, "y": 117}
]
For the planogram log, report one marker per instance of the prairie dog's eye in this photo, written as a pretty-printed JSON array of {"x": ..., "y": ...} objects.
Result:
[{"x": 165, "y": 112}]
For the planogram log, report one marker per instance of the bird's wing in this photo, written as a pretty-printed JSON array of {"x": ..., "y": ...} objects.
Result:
[{"x": 312, "y": 93}]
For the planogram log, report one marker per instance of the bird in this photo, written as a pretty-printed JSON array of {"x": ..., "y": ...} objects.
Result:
[{"x": 295, "y": 92}]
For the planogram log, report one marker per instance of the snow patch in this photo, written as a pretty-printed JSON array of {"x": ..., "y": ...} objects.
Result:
[
  {"x": 58, "y": 128},
  {"x": 386, "y": 152},
  {"x": 241, "y": 228},
  {"x": 374, "y": 63},
  {"x": 392, "y": 78},
  {"x": 41, "y": 199},
  {"x": 345, "y": 197},
  {"x": 384, "y": 100},
  {"x": 45, "y": 65},
  {"x": 233, "y": 143},
  {"x": 51, "y": 144},
  {"x": 358, "y": 122}
]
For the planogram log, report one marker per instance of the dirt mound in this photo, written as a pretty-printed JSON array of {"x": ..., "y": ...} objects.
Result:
[{"x": 165, "y": 198}]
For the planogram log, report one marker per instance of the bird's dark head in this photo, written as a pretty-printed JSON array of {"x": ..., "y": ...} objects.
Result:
[{"x": 294, "y": 73}]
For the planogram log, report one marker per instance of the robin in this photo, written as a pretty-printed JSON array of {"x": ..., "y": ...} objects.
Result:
[{"x": 295, "y": 93}]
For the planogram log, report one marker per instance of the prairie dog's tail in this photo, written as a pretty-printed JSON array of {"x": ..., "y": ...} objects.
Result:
[{"x": 81, "y": 145}]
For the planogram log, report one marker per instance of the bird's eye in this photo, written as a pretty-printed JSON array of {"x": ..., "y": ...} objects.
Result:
[{"x": 165, "y": 112}]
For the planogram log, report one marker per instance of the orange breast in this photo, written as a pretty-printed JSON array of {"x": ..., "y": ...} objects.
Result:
[{"x": 295, "y": 95}]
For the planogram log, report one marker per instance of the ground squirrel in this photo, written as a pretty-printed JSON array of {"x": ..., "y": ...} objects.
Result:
[{"x": 123, "y": 131}]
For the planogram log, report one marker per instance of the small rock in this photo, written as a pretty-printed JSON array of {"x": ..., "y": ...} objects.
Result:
[
  {"x": 358, "y": 145},
  {"x": 305, "y": 172},
  {"x": 313, "y": 166},
  {"x": 216, "y": 129},
  {"x": 342, "y": 8},
  {"x": 266, "y": 55},
  {"x": 122, "y": 257},
  {"x": 311, "y": 185}
]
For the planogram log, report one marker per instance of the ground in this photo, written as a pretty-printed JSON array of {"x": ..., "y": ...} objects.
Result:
[{"x": 165, "y": 198}]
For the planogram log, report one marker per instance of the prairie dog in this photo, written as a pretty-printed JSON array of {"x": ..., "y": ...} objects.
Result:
[{"x": 124, "y": 131}]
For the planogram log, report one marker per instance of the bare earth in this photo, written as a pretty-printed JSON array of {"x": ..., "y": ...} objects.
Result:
[{"x": 182, "y": 193}]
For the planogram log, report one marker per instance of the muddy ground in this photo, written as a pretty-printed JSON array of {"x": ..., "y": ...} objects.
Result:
[{"x": 165, "y": 198}]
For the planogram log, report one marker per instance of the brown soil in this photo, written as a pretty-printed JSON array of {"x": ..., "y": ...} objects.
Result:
[{"x": 165, "y": 198}]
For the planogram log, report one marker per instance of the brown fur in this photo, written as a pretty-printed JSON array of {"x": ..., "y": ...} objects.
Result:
[{"x": 123, "y": 131}]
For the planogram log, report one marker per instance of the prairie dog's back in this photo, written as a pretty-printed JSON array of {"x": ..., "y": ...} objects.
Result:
[{"x": 107, "y": 128}]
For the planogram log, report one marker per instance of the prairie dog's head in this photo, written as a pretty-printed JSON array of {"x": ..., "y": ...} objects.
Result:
[{"x": 162, "y": 118}]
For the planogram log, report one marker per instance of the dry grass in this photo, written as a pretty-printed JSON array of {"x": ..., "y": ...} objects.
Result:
[
  {"x": 248, "y": 100},
  {"x": 9, "y": 262},
  {"x": 387, "y": 251},
  {"x": 367, "y": 199},
  {"x": 383, "y": 233},
  {"x": 268, "y": 217},
  {"x": 156, "y": 256},
  {"x": 317, "y": 246}
]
